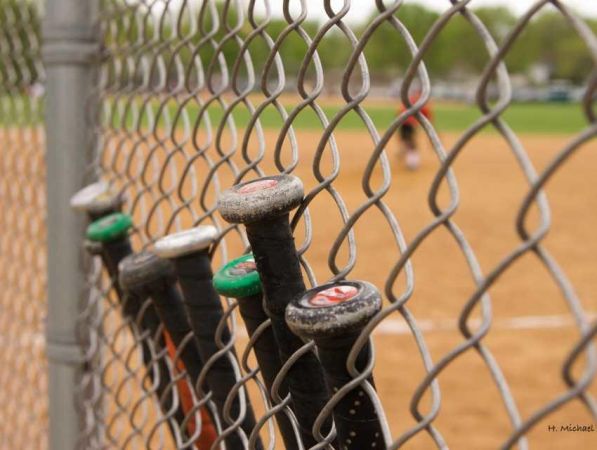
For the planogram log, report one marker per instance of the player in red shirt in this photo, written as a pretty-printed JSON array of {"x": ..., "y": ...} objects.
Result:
[{"x": 407, "y": 134}]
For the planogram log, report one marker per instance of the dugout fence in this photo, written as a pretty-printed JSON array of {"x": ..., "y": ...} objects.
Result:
[
  {"x": 171, "y": 102},
  {"x": 22, "y": 246}
]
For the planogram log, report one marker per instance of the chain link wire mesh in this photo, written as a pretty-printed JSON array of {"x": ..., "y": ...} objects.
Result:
[
  {"x": 197, "y": 96},
  {"x": 23, "y": 379}
]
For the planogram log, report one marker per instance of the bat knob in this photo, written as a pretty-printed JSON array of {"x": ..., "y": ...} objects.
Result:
[
  {"x": 186, "y": 242},
  {"x": 96, "y": 198},
  {"x": 239, "y": 278},
  {"x": 109, "y": 228},
  {"x": 261, "y": 199},
  {"x": 333, "y": 310},
  {"x": 93, "y": 247},
  {"x": 143, "y": 268}
]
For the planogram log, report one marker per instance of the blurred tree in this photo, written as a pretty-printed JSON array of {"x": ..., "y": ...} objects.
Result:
[
  {"x": 457, "y": 52},
  {"x": 549, "y": 40},
  {"x": 386, "y": 51}
]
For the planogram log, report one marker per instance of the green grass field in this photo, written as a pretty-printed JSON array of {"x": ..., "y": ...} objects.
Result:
[{"x": 536, "y": 118}]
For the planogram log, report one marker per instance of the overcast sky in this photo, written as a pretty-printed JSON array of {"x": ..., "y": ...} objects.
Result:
[
  {"x": 361, "y": 8},
  {"x": 588, "y": 7}
]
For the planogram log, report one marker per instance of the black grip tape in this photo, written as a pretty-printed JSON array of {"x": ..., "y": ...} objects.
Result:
[
  {"x": 279, "y": 268},
  {"x": 149, "y": 323},
  {"x": 205, "y": 312},
  {"x": 169, "y": 307},
  {"x": 112, "y": 253},
  {"x": 132, "y": 305},
  {"x": 277, "y": 262},
  {"x": 355, "y": 416},
  {"x": 266, "y": 353},
  {"x": 171, "y": 310}
]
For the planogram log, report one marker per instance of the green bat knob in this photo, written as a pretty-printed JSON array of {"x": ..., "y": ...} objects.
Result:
[
  {"x": 109, "y": 228},
  {"x": 239, "y": 278}
]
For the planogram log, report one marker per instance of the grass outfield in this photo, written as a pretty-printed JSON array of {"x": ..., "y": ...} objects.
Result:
[{"x": 536, "y": 118}]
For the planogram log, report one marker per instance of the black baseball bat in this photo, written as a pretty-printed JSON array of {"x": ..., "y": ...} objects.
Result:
[
  {"x": 145, "y": 274},
  {"x": 263, "y": 206},
  {"x": 333, "y": 315},
  {"x": 188, "y": 251},
  {"x": 108, "y": 237},
  {"x": 239, "y": 279}
]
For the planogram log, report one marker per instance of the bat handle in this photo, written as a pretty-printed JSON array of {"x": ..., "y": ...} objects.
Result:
[
  {"x": 150, "y": 322},
  {"x": 96, "y": 215},
  {"x": 355, "y": 415},
  {"x": 205, "y": 312},
  {"x": 266, "y": 353},
  {"x": 279, "y": 268},
  {"x": 264, "y": 205},
  {"x": 170, "y": 309},
  {"x": 112, "y": 254},
  {"x": 147, "y": 321},
  {"x": 111, "y": 233},
  {"x": 239, "y": 279},
  {"x": 254, "y": 316},
  {"x": 334, "y": 315}
]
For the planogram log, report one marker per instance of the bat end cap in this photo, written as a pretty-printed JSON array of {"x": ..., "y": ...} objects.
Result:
[
  {"x": 261, "y": 199},
  {"x": 142, "y": 268},
  {"x": 109, "y": 228},
  {"x": 238, "y": 278},
  {"x": 96, "y": 198},
  {"x": 334, "y": 309},
  {"x": 186, "y": 242}
]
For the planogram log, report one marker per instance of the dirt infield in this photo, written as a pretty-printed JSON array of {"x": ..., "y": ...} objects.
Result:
[
  {"x": 492, "y": 188},
  {"x": 533, "y": 330}
]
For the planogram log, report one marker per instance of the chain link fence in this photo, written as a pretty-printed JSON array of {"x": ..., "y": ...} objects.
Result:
[
  {"x": 23, "y": 378},
  {"x": 195, "y": 96},
  {"x": 187, "y": 110}
]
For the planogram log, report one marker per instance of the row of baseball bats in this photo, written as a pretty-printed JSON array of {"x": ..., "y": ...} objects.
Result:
[{"x": 171, "y": 294}]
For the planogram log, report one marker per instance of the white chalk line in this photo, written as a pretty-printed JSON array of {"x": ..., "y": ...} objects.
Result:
[
  {"x": 392, "y": 326},
  {"x": 399, "y": 326}
]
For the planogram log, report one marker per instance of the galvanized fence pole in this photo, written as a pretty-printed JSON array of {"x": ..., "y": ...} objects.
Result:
[{"x": 69, "y": 48}]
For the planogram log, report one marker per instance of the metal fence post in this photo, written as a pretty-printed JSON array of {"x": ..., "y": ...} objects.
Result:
[{"x": 69, "y": 47}]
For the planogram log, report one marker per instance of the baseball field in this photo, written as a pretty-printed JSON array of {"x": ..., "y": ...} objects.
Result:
[
  {"x": 482, "y": 242},
  {"x": 531, "y": 327}
]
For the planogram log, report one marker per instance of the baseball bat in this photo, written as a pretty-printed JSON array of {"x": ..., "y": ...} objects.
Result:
[
  {"x": 97, "y": 201},
  {"x": 263, "y": 206},
  {"x": 333, "y": 315},
  {"x": 239, "y": 279},
  {"x": 189, "y": 253},
  {"x": 108, "y": 238},
  {"x": 146, "y": 275}
]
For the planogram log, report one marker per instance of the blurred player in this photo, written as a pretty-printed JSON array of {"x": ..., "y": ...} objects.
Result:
[{"x": 407, "y": 133}]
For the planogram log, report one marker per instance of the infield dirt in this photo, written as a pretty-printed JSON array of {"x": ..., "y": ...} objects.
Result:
[{"x": 491, "y": 187}]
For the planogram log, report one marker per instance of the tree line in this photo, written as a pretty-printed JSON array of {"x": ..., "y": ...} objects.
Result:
[{"x": 457, "y": 52}]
